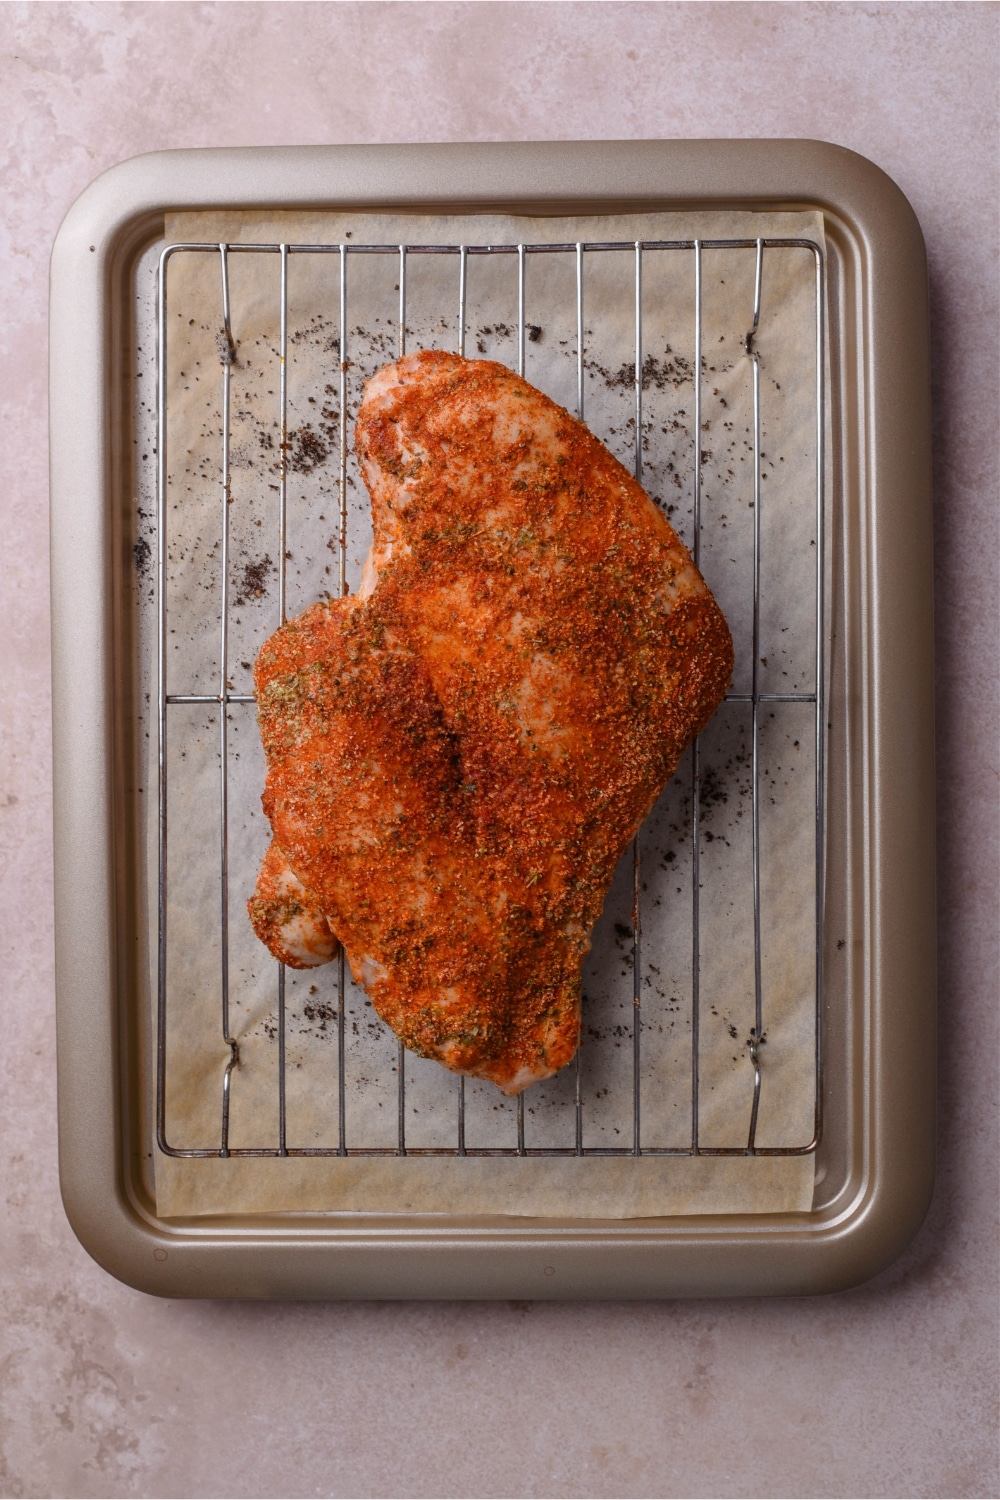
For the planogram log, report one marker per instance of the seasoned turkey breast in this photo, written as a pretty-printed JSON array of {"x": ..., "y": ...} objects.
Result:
[{"x": 458, "y": 754}]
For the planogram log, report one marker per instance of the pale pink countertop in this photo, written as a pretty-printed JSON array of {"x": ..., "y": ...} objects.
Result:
[{"x": 887, "y": 1390}]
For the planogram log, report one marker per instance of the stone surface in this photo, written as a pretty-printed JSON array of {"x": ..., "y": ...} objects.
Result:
[{"x": 886, "y": 1390}]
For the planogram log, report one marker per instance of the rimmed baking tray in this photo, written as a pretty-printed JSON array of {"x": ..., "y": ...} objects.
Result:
[{"x": 874, "y": 1156}]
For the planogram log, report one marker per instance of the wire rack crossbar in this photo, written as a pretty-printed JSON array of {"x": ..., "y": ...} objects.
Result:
[{"x": 225, "y": 697}]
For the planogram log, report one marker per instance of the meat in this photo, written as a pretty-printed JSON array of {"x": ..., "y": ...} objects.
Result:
[
  {"x": 458, "y": 754},
  {"x": 287, "y": 918}
]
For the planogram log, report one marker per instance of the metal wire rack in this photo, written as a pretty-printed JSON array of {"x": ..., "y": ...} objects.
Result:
[{"x": 638, "y": 253}]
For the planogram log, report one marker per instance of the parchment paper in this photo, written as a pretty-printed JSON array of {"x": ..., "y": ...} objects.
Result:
[{"x": 590, "y": 1187}]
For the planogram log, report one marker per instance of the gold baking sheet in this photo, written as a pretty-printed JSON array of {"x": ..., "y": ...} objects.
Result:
[{"x": 196, "y": 1055}]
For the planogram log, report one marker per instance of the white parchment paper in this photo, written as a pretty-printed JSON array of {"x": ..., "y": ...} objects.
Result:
[{"x": 590, "y": 1187}]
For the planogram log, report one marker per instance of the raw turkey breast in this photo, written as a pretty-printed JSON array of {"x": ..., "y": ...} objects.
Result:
[{"x": 458, "y": 754}]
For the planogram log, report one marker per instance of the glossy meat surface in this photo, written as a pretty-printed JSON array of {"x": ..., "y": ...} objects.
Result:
[
  {"x": 287, "y": 918},
  {"x": 459, "y": 754}
]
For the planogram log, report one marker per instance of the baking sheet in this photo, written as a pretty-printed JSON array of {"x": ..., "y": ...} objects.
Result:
[{"x": 591, "y": 1187}]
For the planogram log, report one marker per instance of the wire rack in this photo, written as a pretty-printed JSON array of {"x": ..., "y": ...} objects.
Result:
[{"x": 638, "y": 255}]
